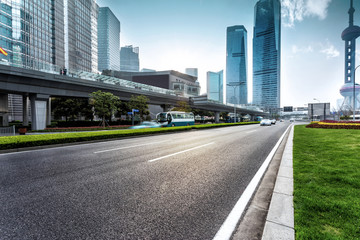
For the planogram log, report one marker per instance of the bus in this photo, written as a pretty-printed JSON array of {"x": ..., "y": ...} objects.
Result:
[{"x": 175, "y": 118}]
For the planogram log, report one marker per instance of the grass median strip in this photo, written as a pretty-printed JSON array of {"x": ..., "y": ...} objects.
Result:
[
  {"x": 21, "y": 141},
  {"x": 326, "y": 183}
]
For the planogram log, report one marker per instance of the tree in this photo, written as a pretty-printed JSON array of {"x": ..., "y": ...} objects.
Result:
[
  {"x": 104, "y": 104},
  {"x": 70, "y": 108},
  {"x": 182, "y": 106},
  {"x": 140, "y": 102}
]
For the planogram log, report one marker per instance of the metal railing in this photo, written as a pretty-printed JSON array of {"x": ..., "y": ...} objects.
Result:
[{"x": 7, "y": 131}]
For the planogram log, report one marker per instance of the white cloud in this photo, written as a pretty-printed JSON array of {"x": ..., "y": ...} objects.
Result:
[
  {"x": 296, "y": 10},
  {"x": 295, "y": 49},
  {"x": 330, "y": 51}
]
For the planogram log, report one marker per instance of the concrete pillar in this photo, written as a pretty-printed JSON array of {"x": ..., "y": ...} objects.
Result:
[
  {"x": 217, "y": 117},
  {"x": 48, "y": 116},
  {"x": 4, "y": 110},
  {"x": 38, "y": 111},
  {"x": 25, "y": 110}
]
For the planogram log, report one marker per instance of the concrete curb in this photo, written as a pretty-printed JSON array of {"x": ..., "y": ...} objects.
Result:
[{"x": 280, "y": 219}]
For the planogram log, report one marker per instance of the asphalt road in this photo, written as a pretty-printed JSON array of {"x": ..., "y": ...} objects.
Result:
[{"x": 170, "y": 186}]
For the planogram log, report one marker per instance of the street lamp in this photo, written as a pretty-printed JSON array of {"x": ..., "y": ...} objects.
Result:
[
  {"x": 235, "y": 85},
  {"x": 316, "y": 100}
]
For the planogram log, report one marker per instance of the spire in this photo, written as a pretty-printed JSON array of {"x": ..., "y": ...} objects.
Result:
[{"x": 351, "y": 14}]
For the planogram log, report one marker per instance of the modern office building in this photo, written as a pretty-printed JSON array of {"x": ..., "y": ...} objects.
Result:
[
  {"x": 215, "y": 86},
  {"x": 48, "y": 36},
  {"x": 183, "y": 84},
  {"x": 236, "y": 65},
  {"x": 80, "y": 30},
  {"x": 129, "y": 59},
  {"x": 192, "y": 71},
  {"x": 26, "y": 33},
  {"x": 108, "y": 40},
  {"x": 266, "y": 54}
]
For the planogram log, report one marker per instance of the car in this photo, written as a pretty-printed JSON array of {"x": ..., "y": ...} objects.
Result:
[
  {"x": 265, "y": 122},
  {"x": 146, "y": 124},
  {"x": 273, "y": 121},
  {"x": 292, "y": 120}
]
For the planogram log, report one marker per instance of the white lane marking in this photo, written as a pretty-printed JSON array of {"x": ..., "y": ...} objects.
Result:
[
  {"x": 170, "y": 155},
  {"x": 251, "y": 131},
  {"x": 228, "y": 227},
  {"x": 121, "y": 148}
]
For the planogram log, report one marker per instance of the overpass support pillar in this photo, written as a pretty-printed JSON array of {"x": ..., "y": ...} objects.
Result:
[
  {"x": 25, "y": 110},
  {"x": 38, "y": 111},
  {"x": 217, "y": 117},
  {"x": 48, "y": 117},
  {"x": 4, "y": 110}
]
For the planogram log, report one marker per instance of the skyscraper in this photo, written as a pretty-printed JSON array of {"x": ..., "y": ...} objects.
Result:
[
  {"x": 80, "y": 31},
  {"x": 192, "y": 71},
  {"x": 266, "y": 54},
  {"x": 236, "y": 65},
  {"x": 26, "y": 33},
  {"x": 129, "y": 59},
  {"x": 108, "y": 40},
  {"x": 215, "y": 86}
]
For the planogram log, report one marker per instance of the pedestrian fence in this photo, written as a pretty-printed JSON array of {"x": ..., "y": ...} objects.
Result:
[{"x": 7, "y": 131}]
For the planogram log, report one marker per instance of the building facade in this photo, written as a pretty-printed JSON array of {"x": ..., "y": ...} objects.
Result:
[
  {"x": 236, "y": 65},
  {"x": 192, "y": 71},
  {"x": 266, "y": 54},
  {"x": 81, "y": 50},
  {"x": 108, "y": 40},
  {"x": 215, "y": 86},
  {"x": 182, "y": 84},
  {"x": 48, "y": 35},
  {"x": 129, "y": 59}
]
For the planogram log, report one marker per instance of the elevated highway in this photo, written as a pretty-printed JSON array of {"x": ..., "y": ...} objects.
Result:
[{"x": 39, "y": 86}]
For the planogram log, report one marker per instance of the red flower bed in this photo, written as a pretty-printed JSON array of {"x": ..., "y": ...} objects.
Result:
[
  {"x": 334, "y": 126},
  {"x": 332, "y": 121}
]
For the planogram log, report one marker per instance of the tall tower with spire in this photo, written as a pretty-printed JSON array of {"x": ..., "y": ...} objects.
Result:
[{"x": 350, "y": 90}]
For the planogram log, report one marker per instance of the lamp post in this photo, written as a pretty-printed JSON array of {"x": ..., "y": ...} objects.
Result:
[
  {"x": 316, "y": 100},
  {"x": 235, "y": 85},
  {"x": 354, "y": 109}
]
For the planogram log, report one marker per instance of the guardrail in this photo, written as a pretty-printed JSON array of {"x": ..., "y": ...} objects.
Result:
[{"x": 7, "y": 131}]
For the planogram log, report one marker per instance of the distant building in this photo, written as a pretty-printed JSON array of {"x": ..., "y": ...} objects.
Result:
[
  {"x": 236, "y": 65},
  {"x": 129, "y": 59},
  {"x": 108, "y": 40},
  {"x": 215, "y": 86},
  {"x": 192, "y": 71},
  {"x": 182, "y": 84},
  {"x": 147, "y": 70},
  {"x": 266, "y": 54},
  {"x": 80, "y": 31}
]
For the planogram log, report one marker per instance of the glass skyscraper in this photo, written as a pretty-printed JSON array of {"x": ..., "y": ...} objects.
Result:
[
  {"x": 26, "y": 33},
  {"x": 236, "y": 65},
  {"x": 129, "y": 59},
  {"x": 81, "y": 35},
  {"x": 266, "y": 54},
  {"x": 215, "y": 86},
  {"x": 50, "y": 34},
  {"x": 108, "y": 40}
]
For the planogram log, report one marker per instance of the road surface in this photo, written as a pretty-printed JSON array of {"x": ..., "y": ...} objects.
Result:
[{"x": 169, "y": 186}]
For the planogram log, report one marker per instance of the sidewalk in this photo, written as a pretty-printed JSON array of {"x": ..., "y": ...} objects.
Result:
[{"x": 280, "y": 219}]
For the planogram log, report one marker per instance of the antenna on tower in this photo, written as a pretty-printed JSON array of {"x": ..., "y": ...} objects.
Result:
[{"x": 351, "y": 14}]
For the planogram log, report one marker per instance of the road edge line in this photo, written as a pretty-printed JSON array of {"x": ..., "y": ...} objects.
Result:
[{"x": 228, "y": 227}]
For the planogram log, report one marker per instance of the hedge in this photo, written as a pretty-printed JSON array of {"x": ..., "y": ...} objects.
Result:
[{"x": 21, "y": 141}]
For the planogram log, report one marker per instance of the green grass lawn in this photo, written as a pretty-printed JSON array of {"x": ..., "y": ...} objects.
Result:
[{"x": 327, "y": 183}]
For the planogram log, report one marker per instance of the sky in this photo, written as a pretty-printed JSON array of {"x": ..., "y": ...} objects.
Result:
[{"x": 179, "y": 34}]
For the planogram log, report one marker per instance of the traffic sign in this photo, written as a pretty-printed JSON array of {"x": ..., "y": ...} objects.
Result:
[{"x": 135, "y": 110}]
